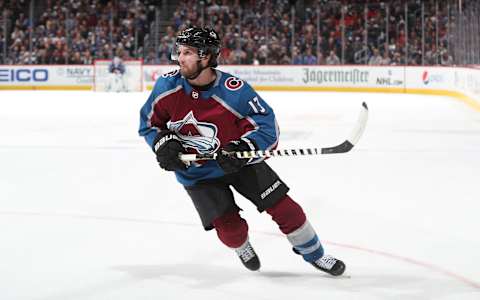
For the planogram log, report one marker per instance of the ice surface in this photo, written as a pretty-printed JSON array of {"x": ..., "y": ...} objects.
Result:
[{"x": 85, "y": 212}]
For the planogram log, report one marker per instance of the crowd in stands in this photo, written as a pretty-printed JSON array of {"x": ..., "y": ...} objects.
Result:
[
  {"x": 74, "y": 32},
  {"x": 253, "y": 32},
  {"x": 261, "y": 32}
]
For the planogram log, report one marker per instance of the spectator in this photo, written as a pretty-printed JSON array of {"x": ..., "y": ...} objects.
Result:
[
  {"x": 397, "y": 60},
  {"x": 332, "y": 59},
  {"x": 238, "y": 56},
  {"x": 297, "y": 58},
  {"x": 431, "y": 56},
  {"x": 446, "y": 59},
  {"x": 262, "y": 54},
  {"x": 76, "y": 59},
  {"x": 309, "y": 58},
  {"x": 385, "y": 59},
  {"x": 87, "y": 58},
  {"x": 376, "y": 58},
  {"x": 321, "y": 58}
]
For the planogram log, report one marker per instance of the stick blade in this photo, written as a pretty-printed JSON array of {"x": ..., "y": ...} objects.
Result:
[
  {"x": 361, "y": 124},
  {"x": 354, "y": 136},
  {"x": 342, "y": 148}
]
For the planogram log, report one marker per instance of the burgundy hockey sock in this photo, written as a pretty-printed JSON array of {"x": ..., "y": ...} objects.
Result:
[
  {"x": 292, "y": 221},
  {"x": 231, "y": 229},
  {"x": 287, "y": 214}
]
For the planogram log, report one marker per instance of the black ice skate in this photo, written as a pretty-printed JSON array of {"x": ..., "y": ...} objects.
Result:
[
  {"x": 248, "y": 256},
  {"x": 328, "y": 264}
]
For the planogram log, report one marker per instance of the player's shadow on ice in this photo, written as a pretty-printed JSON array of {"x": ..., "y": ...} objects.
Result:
[{"x": 197, "y": 275}]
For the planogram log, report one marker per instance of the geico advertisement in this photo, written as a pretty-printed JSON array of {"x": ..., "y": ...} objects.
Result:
[
  {"x": 46, "y": 75},
  {"x": 23, "y": 75}
]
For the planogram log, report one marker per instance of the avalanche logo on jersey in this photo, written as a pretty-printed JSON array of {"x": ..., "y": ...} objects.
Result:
[{"x": 201, "y": 136}]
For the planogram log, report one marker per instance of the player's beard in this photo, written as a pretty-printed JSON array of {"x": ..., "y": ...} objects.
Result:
[{"x": 191, "y": 73}]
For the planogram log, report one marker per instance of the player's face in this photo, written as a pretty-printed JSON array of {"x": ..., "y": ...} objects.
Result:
[{"x": 188, "y": 60}]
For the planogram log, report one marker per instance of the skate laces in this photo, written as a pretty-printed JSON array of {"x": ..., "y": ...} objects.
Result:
[
  {"x": 326, "y": 262},
  {"x": 246, "y": 253}
]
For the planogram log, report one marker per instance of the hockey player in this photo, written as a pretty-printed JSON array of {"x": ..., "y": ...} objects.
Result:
[
  {"x": 116, "y": 80},
  {"x": 199, "y": 109}
]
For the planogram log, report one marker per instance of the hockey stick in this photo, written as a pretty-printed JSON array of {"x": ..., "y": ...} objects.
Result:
[{"x": 346, "y": 146}]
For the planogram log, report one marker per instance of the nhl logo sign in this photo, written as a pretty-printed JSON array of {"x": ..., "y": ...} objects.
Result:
[{"x": 195, "y": 94}]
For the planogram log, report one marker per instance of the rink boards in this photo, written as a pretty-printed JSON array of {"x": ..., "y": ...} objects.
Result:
[{"x": 462, "y": 83}]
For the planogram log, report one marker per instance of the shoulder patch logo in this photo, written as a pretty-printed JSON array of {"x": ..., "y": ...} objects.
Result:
[{"x": 233, "y": 84}]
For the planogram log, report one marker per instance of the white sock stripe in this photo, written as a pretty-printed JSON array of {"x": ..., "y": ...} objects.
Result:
[{"x": 302, "y": 235}]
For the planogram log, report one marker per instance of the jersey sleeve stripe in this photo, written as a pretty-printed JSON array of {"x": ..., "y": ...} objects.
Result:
[
  {"x": 254, "y": 124},
  {"x": 270, "y": 147},
  {"x": 224, "y": 104}
]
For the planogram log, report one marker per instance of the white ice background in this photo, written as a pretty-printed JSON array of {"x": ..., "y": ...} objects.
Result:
[{"x": 86, "y": 213}]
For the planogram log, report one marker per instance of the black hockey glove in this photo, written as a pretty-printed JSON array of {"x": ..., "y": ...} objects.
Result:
[
  {"x": 167, "y": 146},
  {"x": 227, "y": 159}
]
